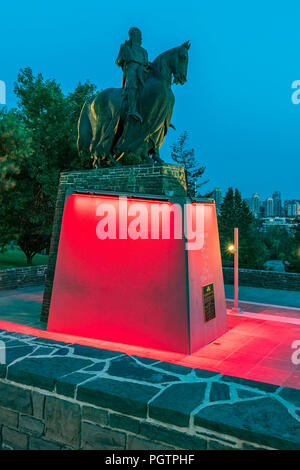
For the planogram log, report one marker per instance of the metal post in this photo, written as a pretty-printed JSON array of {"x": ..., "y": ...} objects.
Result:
[{"x": 236, "y": 308}]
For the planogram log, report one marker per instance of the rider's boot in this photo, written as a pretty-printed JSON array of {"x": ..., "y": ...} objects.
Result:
[{"x": 132, "y": 104}]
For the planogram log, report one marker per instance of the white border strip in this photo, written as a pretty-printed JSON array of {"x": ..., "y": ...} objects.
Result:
[
  {"x": 267, "y": 305},
  {"x": 268, "y": 317}
]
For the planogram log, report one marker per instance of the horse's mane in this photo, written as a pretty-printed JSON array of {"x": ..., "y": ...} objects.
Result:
[
  {"x": 160, "y": 67},
  {"x": 164, "y": 55}
]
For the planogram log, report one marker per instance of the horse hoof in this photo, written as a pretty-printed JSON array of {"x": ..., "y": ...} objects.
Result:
[{"x": 157, "y": 159}]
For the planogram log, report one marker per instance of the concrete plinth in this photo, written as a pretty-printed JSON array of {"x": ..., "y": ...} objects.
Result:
[{"x": 164, "y": 179}]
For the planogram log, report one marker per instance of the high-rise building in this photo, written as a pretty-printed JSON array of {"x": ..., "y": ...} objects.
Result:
[
  {"x": 248, "y": 201},
  {"x": 269, "y": 207},
  {"x": 262, "y": 209},
  {"x": 292, "y": 208},
  {"x": 277, "y": 206},
  {"x": 255, "y": 204},
  {"x": 217, "y": 196}
]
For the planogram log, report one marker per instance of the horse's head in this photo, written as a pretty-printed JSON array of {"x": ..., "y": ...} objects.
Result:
[
  {"x": 180, "y": 63},
  {"x": 173, "y": 62}
]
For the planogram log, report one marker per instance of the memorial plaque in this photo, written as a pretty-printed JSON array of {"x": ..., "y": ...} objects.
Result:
[{"x": 208, "y": 302}]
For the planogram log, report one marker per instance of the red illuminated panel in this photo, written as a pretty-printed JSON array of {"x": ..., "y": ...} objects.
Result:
[
  {"x": 205, "y": 268},
  {"x": 121, "y": 290}
]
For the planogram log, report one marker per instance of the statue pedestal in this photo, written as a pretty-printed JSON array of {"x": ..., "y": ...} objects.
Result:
[
  {"x": 140, "y": 285},
  {"x": 164, "y": 179}
]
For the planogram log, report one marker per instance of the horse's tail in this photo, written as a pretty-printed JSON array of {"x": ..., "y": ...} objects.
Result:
[{"x": 85, "y": 133}]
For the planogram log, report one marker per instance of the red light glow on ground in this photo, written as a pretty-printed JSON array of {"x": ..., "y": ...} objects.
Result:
[{"x": 254, "y": 349}]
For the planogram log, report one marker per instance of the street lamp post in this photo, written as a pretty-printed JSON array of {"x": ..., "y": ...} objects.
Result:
[{"x": 235, "y": 249}]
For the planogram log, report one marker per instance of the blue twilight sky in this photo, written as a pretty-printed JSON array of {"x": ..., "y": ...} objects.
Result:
[{"x": 236, "y": 105}]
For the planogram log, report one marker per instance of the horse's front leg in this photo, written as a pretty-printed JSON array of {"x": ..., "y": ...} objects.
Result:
[{"x": 112, "y": 161}]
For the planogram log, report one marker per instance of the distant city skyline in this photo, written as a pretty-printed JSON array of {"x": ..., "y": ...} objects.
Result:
[
  {"x": 273, "y": 206},
  {"x": 263, "y": 196}
]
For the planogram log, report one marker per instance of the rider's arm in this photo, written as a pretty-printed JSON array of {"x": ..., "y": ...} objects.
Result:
[{"x": 121, "y": 59}]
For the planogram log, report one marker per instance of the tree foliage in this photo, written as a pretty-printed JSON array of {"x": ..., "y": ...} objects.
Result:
[
  {"x": 50, "y": 118},
  {"x": 15, "y": 147},
  {"x": 74, "y": 103},
  {"x": 235, "y": 213},
  {"x": 186, "y": 157},
  {"x": 294, "y": 255},
  {"x": 279, "y": 243}
]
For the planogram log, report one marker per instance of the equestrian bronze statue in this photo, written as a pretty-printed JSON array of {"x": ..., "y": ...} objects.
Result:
[{"x": 134, "y": 119}]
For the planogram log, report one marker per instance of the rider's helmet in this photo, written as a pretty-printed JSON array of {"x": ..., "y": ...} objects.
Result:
[{"x": 134, "y": 31}]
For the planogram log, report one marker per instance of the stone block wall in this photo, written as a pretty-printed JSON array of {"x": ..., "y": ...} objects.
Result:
[
  {"x": 22, "y": 277},
  {"x": 36, "y": 275},
  {"x": 266, "y": 279},
  {"x": 164, "y": 179},
  {"x": 48, "y": 422}
]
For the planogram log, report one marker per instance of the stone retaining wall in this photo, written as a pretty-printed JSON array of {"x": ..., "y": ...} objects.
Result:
[
  {"x": 267, "y": 279},
  {"x": 22, "y": 277},
  {"x": 67, "y": 396},
  {"x": 36, "y": 275}
]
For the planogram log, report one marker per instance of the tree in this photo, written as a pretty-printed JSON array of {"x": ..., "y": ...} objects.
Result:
[
  {"x": 75, "y": 101},
  {"x": 279, "y": 243},
  {"x": 294, "y": 256},
  {"x": 15, "y": 147},
  {"x": 193, "y": 170},
  {"x": 234, "y": 212},
  {"x": 30, "y": 205},
  {"x": 50, "y": 118}
]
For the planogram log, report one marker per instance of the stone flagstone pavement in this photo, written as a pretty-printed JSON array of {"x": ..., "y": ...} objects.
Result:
[
  {"x": 243, "y": 384},
  {"x": 167, "y": 392},
  {"x": 254, "y": 348}
]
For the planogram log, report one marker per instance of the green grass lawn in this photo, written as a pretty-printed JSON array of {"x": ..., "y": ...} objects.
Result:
[{"x": 16, "y": 258}]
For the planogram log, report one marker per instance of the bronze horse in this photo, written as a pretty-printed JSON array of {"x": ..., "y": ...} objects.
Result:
[{"x": 107, "y": 132}]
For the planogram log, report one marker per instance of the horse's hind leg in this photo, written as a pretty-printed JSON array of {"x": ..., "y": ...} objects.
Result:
[
  {"x": 144, "y": 153},
  {"x": 156, "y": 157},
  {"x": 113, "y": 161},
  {"x": 84, "y": 130},
  {"x": 96, "y": 155},
  {"x": 154, "y": 152},
  {"x": 147, "y": 159}
]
